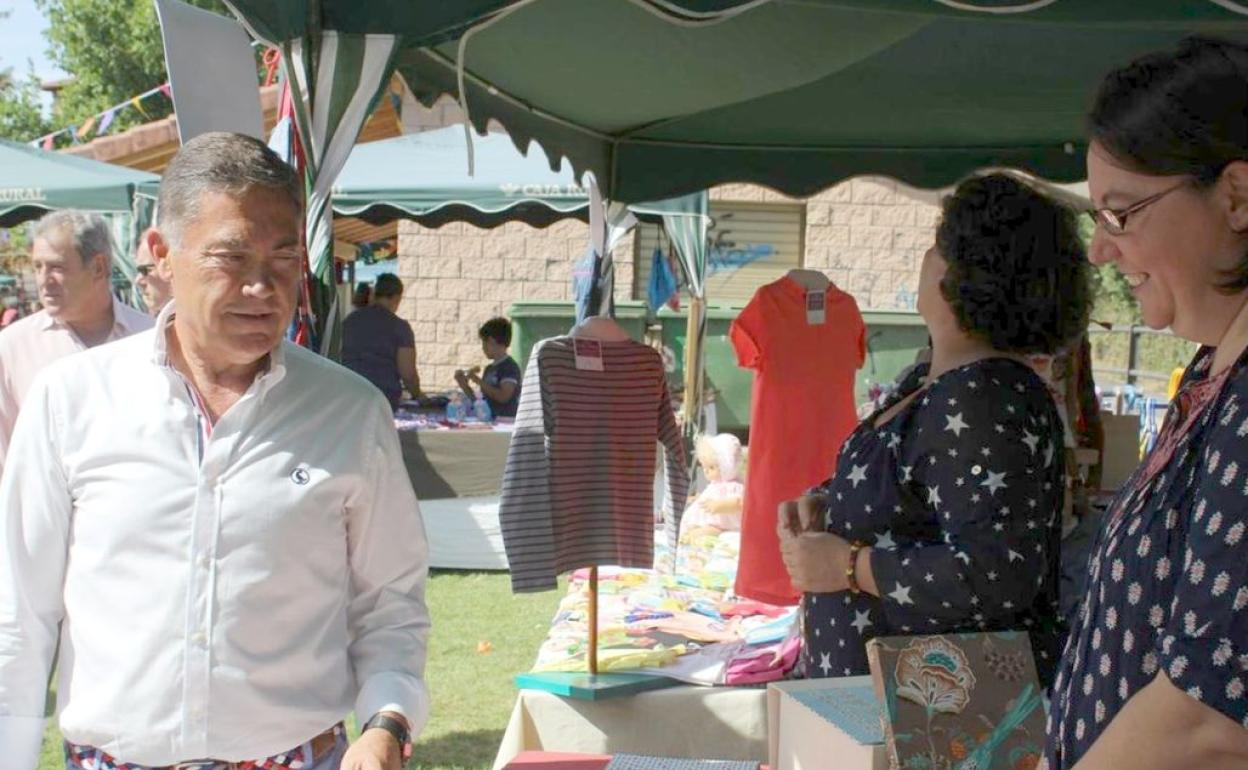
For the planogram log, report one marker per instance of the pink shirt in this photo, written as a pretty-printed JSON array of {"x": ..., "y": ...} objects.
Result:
[{"x": 29, "y": 345}]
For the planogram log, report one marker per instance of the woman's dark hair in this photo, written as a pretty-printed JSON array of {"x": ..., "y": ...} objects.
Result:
[
  {"x": 1178, "y": 112},
  {"x": 363, "y": 294},
  {"x": 1018, "y": 274},
  {"x": 497, "y": 329}
]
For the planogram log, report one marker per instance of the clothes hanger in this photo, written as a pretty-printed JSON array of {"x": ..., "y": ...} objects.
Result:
[
  {"x": 811, "y": 280},
  {"x": 600, "y": 328}
]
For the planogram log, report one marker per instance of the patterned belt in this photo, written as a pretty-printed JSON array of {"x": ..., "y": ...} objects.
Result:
[{"x": 298, "y": 758}]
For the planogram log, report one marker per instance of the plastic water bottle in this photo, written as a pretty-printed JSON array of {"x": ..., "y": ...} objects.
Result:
[
  {"x": 482, "y": 410},
  {"x": 454, "y": 410}
]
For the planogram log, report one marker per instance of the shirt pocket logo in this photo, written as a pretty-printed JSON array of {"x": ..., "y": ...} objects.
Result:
[{"x": 300, "y": 475}]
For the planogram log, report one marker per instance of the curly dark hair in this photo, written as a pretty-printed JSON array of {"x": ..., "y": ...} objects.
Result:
[{"x": 1018, "y": 273}]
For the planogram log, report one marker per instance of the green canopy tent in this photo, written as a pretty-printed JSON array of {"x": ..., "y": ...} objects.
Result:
[
  {"x": 424, "y": 177},
  {"x": 34, "y": 182},
  {"x": 664, "y": 97}
]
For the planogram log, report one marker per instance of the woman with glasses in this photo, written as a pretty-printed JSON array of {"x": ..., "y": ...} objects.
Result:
[{"x": 1155, "y": 670}]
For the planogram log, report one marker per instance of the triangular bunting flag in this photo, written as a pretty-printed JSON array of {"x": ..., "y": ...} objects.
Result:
[
  {"x": 135, "y": 103},
  {"x": 85, "y": 128},
  {"x": 49, "y": 142},
  {"x": 106, "y": 122}
]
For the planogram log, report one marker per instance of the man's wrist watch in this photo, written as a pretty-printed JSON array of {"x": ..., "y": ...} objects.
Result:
[{"x": 396, "y": 728}]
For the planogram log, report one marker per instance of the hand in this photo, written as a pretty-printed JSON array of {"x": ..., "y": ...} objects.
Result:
[
  {"x": 461, "y": 378},
  {"x": 473, "y": 371},
  {"x": 375, "y": 749},
  {"x": 805, "y": 514},
  {"x": 474, "y": 377},
  {"x": 723, "y": 505},
  {"x": 816, "y": 561}
]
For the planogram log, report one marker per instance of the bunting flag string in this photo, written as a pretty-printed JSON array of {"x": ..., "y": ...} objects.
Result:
[{"x": 103, "y": 121}]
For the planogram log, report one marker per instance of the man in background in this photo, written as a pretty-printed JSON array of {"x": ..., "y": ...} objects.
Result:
[
  {"x": 156, "y": 291},
  {"x": 379, "y": 346},
  {"x": 72, "y": 257}
]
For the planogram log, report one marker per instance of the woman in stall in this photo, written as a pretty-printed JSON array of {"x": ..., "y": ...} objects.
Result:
[
  {"x": 1155, "y": 670},
  {"x": 944, "y": 511}
]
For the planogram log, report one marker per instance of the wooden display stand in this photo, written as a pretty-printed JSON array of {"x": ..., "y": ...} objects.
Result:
[{"x": 592, "y": 685}]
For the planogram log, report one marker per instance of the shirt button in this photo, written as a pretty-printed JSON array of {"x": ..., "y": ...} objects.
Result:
[
  {"x": 205, "y": 561},
  {"x": 976, "y": 470},
  {"x": 199, "y": 638}
]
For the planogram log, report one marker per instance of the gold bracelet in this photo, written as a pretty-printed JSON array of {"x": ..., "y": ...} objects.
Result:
[{"x": 851, "y": 572}]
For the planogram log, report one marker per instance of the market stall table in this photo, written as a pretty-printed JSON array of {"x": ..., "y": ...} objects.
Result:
[
  {"x": 713, "y": 723},
  {"x": 457, "y": 475}
]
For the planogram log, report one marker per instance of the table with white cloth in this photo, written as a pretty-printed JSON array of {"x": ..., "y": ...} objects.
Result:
[
  {"x": 458, "y": 476},
  {"x": 685, "y": 721}
]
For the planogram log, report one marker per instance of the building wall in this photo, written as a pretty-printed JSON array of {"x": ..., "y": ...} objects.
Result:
[{"x": 865, "y": 234}]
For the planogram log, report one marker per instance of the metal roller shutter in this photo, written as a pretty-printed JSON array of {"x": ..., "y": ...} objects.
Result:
[{"x": 753, "y": 244}]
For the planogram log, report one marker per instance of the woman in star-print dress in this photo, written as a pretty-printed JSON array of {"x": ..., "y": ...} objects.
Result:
[
  {"x": 953, "y": 489},
  {"x": 1155, "y": 669}
]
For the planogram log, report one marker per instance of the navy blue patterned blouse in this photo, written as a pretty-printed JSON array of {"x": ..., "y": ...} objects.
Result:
[
  {"x": 1168, "y": 582},
  {"x": 960, "y": 495}
]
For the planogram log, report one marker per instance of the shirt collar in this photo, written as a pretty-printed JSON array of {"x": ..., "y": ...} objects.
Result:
[
  {"x": 122, "y": 314},
  {"x": 272, "y": 375}
]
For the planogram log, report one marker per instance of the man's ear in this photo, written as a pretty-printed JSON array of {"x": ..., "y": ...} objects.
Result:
[{"x": 158, "y": 245}]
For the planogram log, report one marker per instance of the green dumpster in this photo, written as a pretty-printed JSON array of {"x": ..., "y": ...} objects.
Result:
[
  {"x": 727, "y": 383},
  {"x": 533, "y": 321},
  {"x": 893, "y": 340}
]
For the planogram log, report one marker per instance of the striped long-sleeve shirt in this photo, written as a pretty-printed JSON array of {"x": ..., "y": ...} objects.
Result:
[{"x": 579, "y": 485}]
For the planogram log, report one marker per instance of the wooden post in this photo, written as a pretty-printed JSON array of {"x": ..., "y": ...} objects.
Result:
[
  {"x": 1132, "y": 353},
  {"x": 593, "y": 621}
]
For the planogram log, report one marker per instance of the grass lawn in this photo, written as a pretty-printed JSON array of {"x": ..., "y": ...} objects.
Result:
[{"x": 472, "y": 691}]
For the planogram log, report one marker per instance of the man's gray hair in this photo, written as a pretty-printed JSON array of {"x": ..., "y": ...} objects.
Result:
[
  {"x": 88, "y": 232},
  {"x": 219, "y": 162}
]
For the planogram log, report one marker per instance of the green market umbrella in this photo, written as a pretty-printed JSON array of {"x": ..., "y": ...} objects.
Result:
[{"x": 34, "y": 181}]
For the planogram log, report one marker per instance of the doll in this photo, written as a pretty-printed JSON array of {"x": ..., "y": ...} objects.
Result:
[{"x": 718, "y": 508}]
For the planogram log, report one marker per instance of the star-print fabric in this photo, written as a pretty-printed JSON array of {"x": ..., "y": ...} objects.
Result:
[
  {"x": 960, "y": 497},
  {"x": 1168, "y": 579}
]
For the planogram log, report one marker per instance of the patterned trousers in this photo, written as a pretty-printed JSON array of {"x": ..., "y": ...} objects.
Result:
[{"x": 298, "y": 758}]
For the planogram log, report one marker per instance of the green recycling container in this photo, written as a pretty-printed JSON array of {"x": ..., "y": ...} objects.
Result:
[
  {"x": 893, "y": 341},
  {"x": 533, "y": 321}
]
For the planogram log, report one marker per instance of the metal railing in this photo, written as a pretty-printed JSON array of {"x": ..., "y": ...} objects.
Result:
[{"x": 1132, "y": 373}]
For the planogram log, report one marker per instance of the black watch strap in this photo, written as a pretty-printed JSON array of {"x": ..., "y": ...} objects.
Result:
[{"x": 392, "y": 726}]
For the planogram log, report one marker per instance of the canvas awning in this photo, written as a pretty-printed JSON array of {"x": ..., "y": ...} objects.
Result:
[{"x": 34, "y": 181}]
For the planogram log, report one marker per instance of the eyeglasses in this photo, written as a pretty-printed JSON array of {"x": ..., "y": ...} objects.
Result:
[
  {"x": 145, "y": 270},
  {"x": 1114, "y": 221}
]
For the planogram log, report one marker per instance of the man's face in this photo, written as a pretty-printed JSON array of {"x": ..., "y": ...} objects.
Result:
[
  {"x": 235, "y": 273},
  {"x": 66, "y": 283},
  {"x": 156, "y": 290}
]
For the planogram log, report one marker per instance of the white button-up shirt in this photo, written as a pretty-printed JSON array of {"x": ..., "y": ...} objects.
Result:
[
  {"x": 225, "y": 596},
  {"x": 37, "y": 340}
]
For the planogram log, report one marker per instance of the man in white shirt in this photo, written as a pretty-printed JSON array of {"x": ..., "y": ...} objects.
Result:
[
  {"x": 71, "y": 254},
  {"x": 220, "y": 520}
]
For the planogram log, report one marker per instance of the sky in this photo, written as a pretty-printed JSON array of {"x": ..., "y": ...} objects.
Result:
[{"x": 21, "y": 39}]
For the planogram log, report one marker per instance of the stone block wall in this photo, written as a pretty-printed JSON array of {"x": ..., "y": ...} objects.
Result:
[{"x": 868, "y": 235}]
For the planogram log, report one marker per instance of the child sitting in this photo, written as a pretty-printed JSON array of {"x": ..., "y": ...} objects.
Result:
[{"x": 718, "y": 508}]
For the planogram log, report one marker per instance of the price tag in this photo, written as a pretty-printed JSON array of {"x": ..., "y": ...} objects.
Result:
[
  {"x": 816, "y": 308},
  {"x": 588, "y": 354}
]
